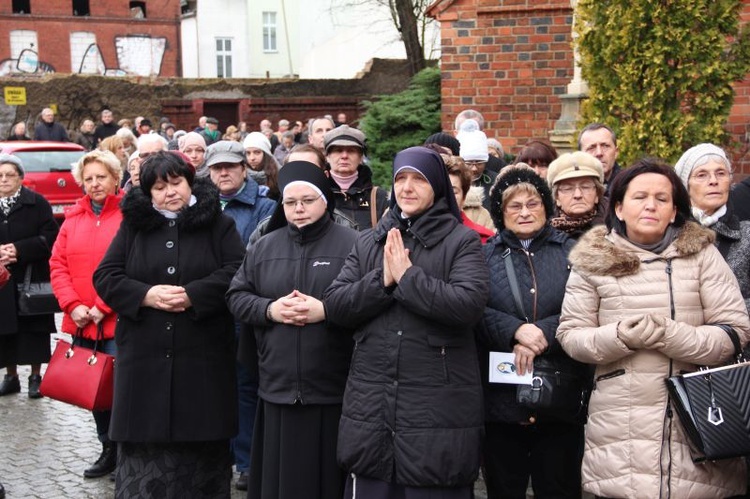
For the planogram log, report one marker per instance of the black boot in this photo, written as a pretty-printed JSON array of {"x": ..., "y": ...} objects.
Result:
[
  {"x": 35, "y": 381},
  {"x": 106, "y": 462},
  {"x": 2, "y": 491},
  {"x": 10, "y": 385}
]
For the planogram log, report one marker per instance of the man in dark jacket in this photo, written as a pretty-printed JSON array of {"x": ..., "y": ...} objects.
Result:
[
  {"x": 739, "y": 198},
  {"x": 600, "y": 141},
  {"x": 107, "y": 128},
  {"x": 351, "y": 179},
  {"x": 48, "y": 129}
]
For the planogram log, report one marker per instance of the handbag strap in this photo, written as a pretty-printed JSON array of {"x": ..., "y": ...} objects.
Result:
[
  {"x": 373, "y": 207},
  {"x": 513, "y": 282},
  {"x": 27, "y": 278},
  {"x": 735, "y": 340}
]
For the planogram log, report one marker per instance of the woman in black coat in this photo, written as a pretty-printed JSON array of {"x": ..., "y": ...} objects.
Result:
[
  {"x": 522, "y": 442},
  {"x": 413, "y": 288},
  {"x": 303, "y": 357},
  {"x": 165, "y": 274},
  {"x": 27, "y": 233}
]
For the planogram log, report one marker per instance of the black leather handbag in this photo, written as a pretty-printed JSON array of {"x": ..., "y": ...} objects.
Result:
[
  {"x": 35, "y": 298},
  {"x": 713, "y": 406}
]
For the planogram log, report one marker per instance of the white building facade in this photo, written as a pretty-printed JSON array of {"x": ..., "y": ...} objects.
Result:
[{"x": 309, "y": 39}]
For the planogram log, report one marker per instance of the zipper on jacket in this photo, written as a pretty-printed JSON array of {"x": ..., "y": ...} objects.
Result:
[
  {"x": 445, "y": 364},
  {"x": 609, "y": 375},
  {"x": 298, "y": 332},
  {"x": 668, "y": 270},
  {"x": 534, "y": 286}
]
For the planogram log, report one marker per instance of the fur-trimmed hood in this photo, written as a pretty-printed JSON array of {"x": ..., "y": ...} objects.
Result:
[
  {"x": 600, "y": 252},
  {"x": 474, "y": 198},
  {"x": 139, "y": 213}
]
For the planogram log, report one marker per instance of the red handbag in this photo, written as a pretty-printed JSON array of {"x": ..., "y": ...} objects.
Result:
[
  {"x": 4, "y": 275},
  {"x": 80, "y": 376}
]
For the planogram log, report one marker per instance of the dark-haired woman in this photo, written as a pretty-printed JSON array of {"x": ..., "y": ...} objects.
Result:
[
  {"x": 165, "y": 274},
  {"x": 642, "y": 303},
  {"x": 538, "y": 154}
]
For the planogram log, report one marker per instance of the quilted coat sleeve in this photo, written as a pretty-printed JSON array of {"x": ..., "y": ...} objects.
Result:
[
  {"x": 358, "y": 294},
  {"x": 60, "y": 277},
  {"x": 579, "y": 333},
  {"x": 497, "y": 329},
  {"x": 112, "y": 283},
  {"x": 722, "y": 304},
  {"x": 457, "y": 301}
]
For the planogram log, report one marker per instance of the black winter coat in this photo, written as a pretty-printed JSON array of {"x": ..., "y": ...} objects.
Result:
[
  {"x": 413, "y": 403},
  {"x": 542, "y": 273},
  {"x": 297, "y": 364},
  {"x": 175, "y": 375},
  {"x": 354, "y": 203},
  {"x": 31, "y": 227},
  {"x": 739, "y": 199}
]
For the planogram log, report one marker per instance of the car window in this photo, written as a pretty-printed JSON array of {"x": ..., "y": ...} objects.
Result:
[{"x": 45, "y": 161}]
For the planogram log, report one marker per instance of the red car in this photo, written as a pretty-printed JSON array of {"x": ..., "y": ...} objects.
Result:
[{"x": 47, "y": 166}]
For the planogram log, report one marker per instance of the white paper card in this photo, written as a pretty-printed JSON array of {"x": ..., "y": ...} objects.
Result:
[{"x": 503, "y": 370}]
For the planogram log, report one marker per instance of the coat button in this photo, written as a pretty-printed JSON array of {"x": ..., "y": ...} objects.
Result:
[
  {"x": 168, "y": 354},
  {"x": 171, "y": 270},
  {"x": 171, "y": 223},
  {"x": 532, "y": 291},
  {"x": 168, "y": 326},
  {"x": 400, "y": 333},
  {"x": 395, "y": 383},
  {"x": 170, "y": 244}
]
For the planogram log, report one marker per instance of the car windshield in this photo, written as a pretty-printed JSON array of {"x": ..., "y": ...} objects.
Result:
[{"x": 45, "y": 161}]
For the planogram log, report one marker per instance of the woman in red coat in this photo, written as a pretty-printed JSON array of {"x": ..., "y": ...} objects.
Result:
[{"x": 89, "y": 227}]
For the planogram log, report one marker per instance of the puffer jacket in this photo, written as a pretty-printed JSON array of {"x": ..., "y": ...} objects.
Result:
[
  {"x": 297, "y": 364},
  {"x": 635, "y": 445},
  {"x": 412, "y": 409},
  {"x": 542, "y": 272},
  {"x": 84, "y": 238}
]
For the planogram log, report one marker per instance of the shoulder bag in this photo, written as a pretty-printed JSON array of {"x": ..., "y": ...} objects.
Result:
[
  {"x": 713, "y": 406},
  {"x": 35, "y": 298},
  {"x": 555, "y": 390},
  {"x": 80, "y": 376}
]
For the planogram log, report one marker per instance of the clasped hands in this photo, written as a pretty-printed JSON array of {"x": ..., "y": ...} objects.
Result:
[
  {"x": 297, "y": 309},
  {"x": 82, "y": 315},
  {"x": 530, "y": 343},
  {"x": 644, "y": 331},
  {"x": 167, "y": 298},
  {"x": 395, "y": 258}
]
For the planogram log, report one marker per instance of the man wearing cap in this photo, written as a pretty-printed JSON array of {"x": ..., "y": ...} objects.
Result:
[
  {"x": 351, "y": 179},
  {"x": 107, "y": 128},
  {"x": 240, "y": 199},
  {"x": 600, "y": 141},
  {"x": 211, "y": 132}
]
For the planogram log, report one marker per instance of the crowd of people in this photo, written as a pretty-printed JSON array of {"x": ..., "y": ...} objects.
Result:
[{"x": 273, "y": 310}]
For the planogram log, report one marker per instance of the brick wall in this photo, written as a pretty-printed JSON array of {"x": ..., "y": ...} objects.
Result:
[
  {"x": 511, "y": 59},
  {"x": 124, "y": 45}
]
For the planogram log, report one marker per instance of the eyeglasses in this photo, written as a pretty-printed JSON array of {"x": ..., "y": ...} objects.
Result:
[
  {"x": 518, "y": 207},
  {"x": 704, "y": 176},
  {"x": 474, "y": 163},
  {"x": 586, "y": 188},
  {"x": 9, "y": 176},
  {"x": 292, "y": 203}
]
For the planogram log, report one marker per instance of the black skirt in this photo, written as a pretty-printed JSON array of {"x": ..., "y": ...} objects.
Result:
[
  {"x": 294, "y": 452},
  {"x": 24, "y": 349},
  {"x": 184, "y": 470}
]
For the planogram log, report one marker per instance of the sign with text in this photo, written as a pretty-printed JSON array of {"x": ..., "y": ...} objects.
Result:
[{"x": 15, "y": 96}]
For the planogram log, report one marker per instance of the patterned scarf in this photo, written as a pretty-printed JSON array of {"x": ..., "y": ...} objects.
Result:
[
  {"x": 7, "y": 203},
  {"x": 566, "y": 224}
]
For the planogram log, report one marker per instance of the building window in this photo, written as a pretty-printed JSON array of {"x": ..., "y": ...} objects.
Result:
[
  {"x": 224, "y": 57},
  {"x": 22, "y": 6},
  {"x": 138, "y": 10},
  {"x": 81, "y": 8},
  {"x": 21, "y": 40},
  {"x": 84, "y": 54},
  {"x": 269, "y": 32}
]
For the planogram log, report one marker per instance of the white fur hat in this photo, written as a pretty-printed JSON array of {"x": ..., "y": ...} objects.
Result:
[{"x": 473, "y": 142}]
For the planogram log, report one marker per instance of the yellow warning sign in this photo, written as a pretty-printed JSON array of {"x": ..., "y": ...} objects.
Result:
[{"x": 15, "y": 96}]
